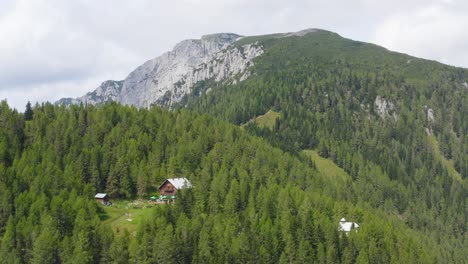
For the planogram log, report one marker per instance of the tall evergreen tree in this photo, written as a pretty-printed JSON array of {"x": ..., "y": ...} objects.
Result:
[{"x": 28, "y": 112}]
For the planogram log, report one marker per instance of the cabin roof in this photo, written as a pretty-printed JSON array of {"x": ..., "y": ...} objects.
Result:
[
  {"x": 178, "y": 183},
  {"x": 347, "y": 226},
  {"x": 100, "y": 195}
]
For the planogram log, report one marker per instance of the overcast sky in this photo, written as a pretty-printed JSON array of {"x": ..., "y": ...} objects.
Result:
[{"x": 51, "y": 49}]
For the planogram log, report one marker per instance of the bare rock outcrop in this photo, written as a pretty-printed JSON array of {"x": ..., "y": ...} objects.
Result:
[{"x": 166, "y": 79}]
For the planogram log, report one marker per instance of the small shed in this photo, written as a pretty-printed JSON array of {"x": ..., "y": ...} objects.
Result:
[
  {"x": 169, "y": 187},
  {"x": 102, "y": 198},
  {"x": 346, "y": 226}
]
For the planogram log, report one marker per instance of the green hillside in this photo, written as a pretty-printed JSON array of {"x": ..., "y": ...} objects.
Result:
[
  {"x": 266, "y": 120},
  {"x": 448, "y": 164},
  {"x": 332, "y": 128},
  {"x": 327, "y": 166},
  {"x": 251, "y": 202},
  {"x": 369, "y": 110}
]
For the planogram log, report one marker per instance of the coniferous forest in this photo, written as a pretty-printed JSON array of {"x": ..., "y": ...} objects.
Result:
[
  {"x": 251, "y": 203},
  {"x": 258, "y": 197}
]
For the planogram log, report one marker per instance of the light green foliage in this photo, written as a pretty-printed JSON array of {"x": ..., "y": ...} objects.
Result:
[
  {"x": 325, "y": 87},
  {"x": 251, "y": 202},
  {"x": 327, "y": 167},
  {"x": 267, "y": 120},
  {"x": 448, "y": 164}
]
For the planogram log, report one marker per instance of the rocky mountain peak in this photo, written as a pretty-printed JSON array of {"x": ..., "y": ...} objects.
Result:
[
  {"x": 166, "y": 79},
  {"x": 207, "y": 44}
]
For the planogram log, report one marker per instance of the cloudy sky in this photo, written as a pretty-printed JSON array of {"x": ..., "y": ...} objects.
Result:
[{"x": 51, "y": 49}]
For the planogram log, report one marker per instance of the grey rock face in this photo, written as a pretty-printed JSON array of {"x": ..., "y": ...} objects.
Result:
[
  {"x": 430, "y": 114},
  {"x": 106, "y": 92},
  {"x": 430, "y": 118},
  {"x": 67, "y": 101},
  {"x": 221, "y": 66},
  {"x": 385, "y": 108},
  {"x": 167, "y": 78}
]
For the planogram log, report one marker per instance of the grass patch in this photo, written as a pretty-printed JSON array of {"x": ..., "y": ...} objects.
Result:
[
  {"x": 118, "y": 215},
  {"x": 447, "y": 163},
  {"x": 266, "y": 120},
  {"x": 326, "y": 166}
]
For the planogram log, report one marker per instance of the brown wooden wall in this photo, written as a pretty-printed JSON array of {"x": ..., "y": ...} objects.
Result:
[
  {"x": 167, "y": 189},
  {"x": 101, "y": 200}
]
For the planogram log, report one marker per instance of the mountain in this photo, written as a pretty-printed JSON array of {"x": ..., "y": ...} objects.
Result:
[
  {"x": 309, "y": 128},
  {"x": 167, "y": 78},
  {"x": 108, "y": 91},
  {"x": 395, "y": 123}
]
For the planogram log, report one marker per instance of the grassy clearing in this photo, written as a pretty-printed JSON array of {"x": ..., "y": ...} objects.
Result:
[
  {"x": 447, "y": 163},
  {"x": 266, "y": 120},
  {"x": 118, "y": 215},
  {"x": 326, "y": 166}
]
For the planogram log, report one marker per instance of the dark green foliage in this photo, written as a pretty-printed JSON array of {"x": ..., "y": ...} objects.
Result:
[
  {"x": 251, "y": 203},
  {"x": 28, "y": 113},
  {"x": 325, "y": 88}
]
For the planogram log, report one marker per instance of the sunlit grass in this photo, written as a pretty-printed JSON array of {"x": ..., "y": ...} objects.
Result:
[
  {"x": 126, "y": 214},
  {"x": 266, "y": 120},
  {"x": 326, "y": 166},
  {"x": 447, "y": 163}
]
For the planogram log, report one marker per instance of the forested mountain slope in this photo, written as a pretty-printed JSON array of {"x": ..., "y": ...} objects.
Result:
[
  {"x": 397, "y": 124},
  {"x": 251, "y": 202}
]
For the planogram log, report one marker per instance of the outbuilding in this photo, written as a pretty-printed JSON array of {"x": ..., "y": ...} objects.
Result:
[
  {"x": 102, "y": 198},
  {"x": 346, "y": 226}
]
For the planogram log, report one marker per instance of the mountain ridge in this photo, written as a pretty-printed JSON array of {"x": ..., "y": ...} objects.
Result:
[
  {"x": 165, "y": 79},
  {"x": 214, "y": 58},
  {"x": 392, "y": 125}
]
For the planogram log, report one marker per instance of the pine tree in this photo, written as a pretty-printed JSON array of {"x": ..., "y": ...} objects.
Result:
[
  {"x": 362, "y": 258},
  {"x": 45, "y": 248},
  {"x": 119, "y": 249},
  {"x": 28, "y": 112}
]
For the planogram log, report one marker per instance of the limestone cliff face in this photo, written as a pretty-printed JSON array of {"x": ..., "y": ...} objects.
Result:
[
  {"x": 167, "y": 78},
  {"x": 106, "y": 92},
  {"x": 220, "y": 66},
  {"x": 385, "y": 108}
]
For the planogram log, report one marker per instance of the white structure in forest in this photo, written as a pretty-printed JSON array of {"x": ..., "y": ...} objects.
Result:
[{"x": 347, "y": 226}]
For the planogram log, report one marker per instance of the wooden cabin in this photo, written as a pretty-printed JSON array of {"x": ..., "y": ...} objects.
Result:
[
  {"x": 169, "y": 187},
  {"x": 102, "y": 198}
]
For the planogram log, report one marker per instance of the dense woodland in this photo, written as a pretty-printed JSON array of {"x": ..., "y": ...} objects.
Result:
[
  {"x": 325, "y": 87},
  {"x": 251, "y": 202},
  {"x": 257, "y": 198}
]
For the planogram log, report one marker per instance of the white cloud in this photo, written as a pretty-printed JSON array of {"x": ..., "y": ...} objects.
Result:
[
  {"x": 39, "y": 45},
  {"x": 18, "y": 96},
  {"x": 437, "y": 32}
]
